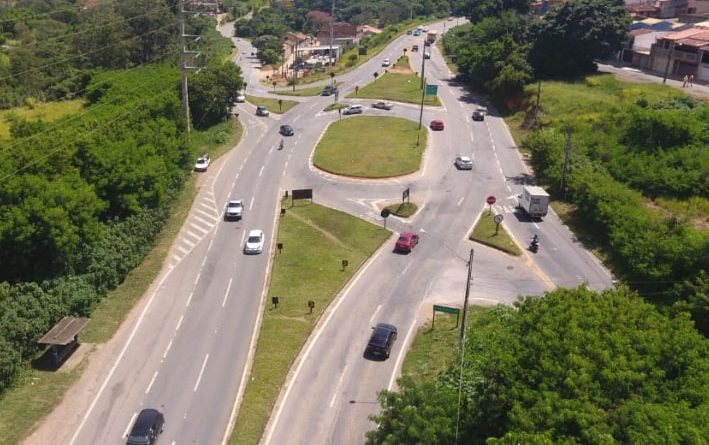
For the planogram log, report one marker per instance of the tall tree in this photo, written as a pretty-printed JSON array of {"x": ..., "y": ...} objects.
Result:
[
  {"x": 567, "y": 40},
  {"x": 213, "y": 92}
]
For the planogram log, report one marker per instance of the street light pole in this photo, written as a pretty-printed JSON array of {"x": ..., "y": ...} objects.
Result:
[{"x": 332, "y": 24}]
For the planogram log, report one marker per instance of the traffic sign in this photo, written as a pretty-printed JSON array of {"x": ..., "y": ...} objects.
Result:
[
  {"x": 498, "y": 219},
  {"x": 491, "y": 200},
  {"x": 431, "y": 89}
]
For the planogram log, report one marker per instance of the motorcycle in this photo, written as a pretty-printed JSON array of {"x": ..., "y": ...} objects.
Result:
[{"x": 534, "y": 245}]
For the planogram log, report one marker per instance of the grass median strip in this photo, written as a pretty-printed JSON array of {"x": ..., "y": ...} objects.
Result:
[
  {"x": 315, "y": 241},
  {"x": 371, "y": 147},
  {"x": 272, "y": 104},
  {"x": 487, "y": 233},
  {"x": 401, "y": 86}
]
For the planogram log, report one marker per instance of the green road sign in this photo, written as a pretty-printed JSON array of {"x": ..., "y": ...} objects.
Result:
[
  {"x": 431, "y": 89},
  {"x": 446, "y": 309}
]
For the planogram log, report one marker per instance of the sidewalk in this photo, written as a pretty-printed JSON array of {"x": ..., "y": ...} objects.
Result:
[{"x": 635, "y": 74}]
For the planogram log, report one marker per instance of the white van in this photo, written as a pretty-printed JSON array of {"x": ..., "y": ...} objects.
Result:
[{"x": 353, "y": 109}]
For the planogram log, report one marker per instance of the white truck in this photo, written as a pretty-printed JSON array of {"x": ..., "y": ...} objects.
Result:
[{"x": 534, "y": 200}]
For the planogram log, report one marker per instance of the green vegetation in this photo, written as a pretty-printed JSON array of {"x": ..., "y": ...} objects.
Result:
[
  {"x": 402, "y": 210},
  {"x": 572, "y": 367},
  {"x": 274, "y": 105},
  {"x": 486, "y": 232},
  {"x": 335, "y": 106},
  {"x": 371, "y": 147},
  {"x": 399, "y": 87},
  {"x": 310, "y": 91},
  {"x": 46, "y": 112},
  {"x": 36, "y": 391},
  {"x": 315, "y": 241}
]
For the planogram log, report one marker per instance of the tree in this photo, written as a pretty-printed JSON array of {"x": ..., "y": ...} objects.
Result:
[
  {"x": 574, "y": 367},
  {"x": 213, "y": 92},
  {"x": 568, "y": 39},
  {"x": 477, "y": 10}
]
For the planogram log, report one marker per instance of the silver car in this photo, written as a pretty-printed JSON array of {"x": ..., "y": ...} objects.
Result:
[{"x": 464, "y": 163}]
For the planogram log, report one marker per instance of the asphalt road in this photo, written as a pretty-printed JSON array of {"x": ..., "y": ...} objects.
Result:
[{"x": 186, "y": 349}]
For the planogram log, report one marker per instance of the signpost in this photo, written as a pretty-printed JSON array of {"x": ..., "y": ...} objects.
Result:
[
  {"x": 405, "y": 195},
  {"x": 446, "y": 310},
  {"x": 431, "y": 89},
  {"x": 498, "y": 220},
  {"x": 385, "y": 214},
  {"x": 490, "y": 201}
]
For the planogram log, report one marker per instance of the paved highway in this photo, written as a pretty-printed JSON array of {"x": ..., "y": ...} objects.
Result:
[{"x": 186, "y": 347}]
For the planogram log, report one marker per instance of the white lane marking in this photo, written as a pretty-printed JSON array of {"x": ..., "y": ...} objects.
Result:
[
  {"x": 251, "y": 204},
  {"x": 150, "y": 385},
  {"x": 118, "y": 359},
  {"x": 183, "y": 250},
  {"x": 189, "y": 298},
  {"x": 260, "y": 171},
  {"x": 132, "y": 419},
  {"x": 460, "y": 201},
  {"x": 226, "y": 294},
  {"x": 195, "y": 235},
  {"x": 188, "y": 242},
  {"x": 337, "y": 388},
  {"x": 314, "y": 339},
  {"x": 177, "y": 328},
  {"x": 209, "y": 215},
  {"x": 201, "y": 371},
  {"x": 509, "y": 189},
  {"x": 375, "y": 314},
  {"x": 169, "y": 345},
  {"x": 403, "y": 272},
  {"x": 400, "y": 358},
  {"x": 203, "y": 221},
  {"x": 536, "y": 226}
]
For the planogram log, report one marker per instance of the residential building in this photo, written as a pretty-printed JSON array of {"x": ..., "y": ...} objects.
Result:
[{"x": 682, "y": 53}]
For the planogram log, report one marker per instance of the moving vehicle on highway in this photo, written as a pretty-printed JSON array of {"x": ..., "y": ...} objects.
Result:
[
  {"x": 262, "y": 111},
  {"x": 234, "y": 209},
  {"x": 254, "y": 242},
  {"x": 431, "y": 36},
  {"x": 417, "y": 33},
  {"x": 479, "y": 114},
  {"x": 328, "y": 90},
  {"x": 202, "y": 163},
  {"x": 406, "y": 242},
  {"x": 353, "y": 109},
  {"x": 286, "y": 130},
  {"x": 414, "y": 48},
  {"x": 147, "y": 427},
  {"x": 386, "y": 62},
  {"x": 383, "y": 105},
  {"x": 381, "y": 341},
  {"x": 464, "y": 163},
  {"x": 427, "y": 54},
  {"x": 534, "y": 200},
  {"x": 240, "y": 97},
  {"x": 437, "y": 125}
]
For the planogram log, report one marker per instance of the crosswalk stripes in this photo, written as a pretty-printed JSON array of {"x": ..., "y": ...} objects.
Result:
[{"x": 200, "y": 221}]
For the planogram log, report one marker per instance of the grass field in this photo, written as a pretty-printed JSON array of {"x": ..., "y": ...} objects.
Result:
[
  {"x": 485, "y": 232},
  {"x": 315, "y": 240},
  {"x": 37, "y": 392},
  {"x": 47, "y": 112},
  {"x": 584, "y": 101},
  {"x": 397, "y": 87},
  {"x": 308, "y": 91},
  {"x": 272, "y": 104},
  {"x": 440, "y": 341},
  {"x": 370, "y": 147},
  {"x": 402, "y": 210}
]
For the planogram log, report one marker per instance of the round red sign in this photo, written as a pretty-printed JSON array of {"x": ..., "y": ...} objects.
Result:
[{"x": 491, "y": 200}]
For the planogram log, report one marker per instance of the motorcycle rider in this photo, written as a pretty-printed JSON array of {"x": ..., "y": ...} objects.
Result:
[{"x": 280, "y": 147}]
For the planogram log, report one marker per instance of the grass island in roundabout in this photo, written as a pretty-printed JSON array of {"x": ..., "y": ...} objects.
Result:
[{"x": 371, "y": 147}]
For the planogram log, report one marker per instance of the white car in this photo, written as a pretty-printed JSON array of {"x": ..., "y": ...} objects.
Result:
[
  {"x": 386, "y": 62},
  {"x": 202, "y": 163},
  {"x": 464, "y": 163},
  {"x": 254, "y": 242},
  {"x": 234, "y": 209},
  {"x": 240, "y": 98},
  {"x": 353, "y": 109}
]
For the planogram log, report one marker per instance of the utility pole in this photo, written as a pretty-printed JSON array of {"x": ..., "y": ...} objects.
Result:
[
  {"x": 669, "y": 59},
  {"x": 295, "y": 63},
  {"x": 423, "y": 61},
  {"x": 183, "y": 68},
  {"x": 565, "y": 171},
  {"x": 332, "y": 24},
  {"x": 423, "y": 97},
  {"x": 467, "y": 295}
]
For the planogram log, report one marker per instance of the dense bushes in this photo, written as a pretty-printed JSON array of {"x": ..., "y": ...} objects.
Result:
[{"x": 618, "y": 162}]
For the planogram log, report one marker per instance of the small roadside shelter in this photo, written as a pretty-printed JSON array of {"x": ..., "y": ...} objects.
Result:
[{"x": 64, "y": 337}]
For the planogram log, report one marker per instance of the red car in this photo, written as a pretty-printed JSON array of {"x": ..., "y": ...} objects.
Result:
[
  {"x": 437, "y": 124},
  {"x": 406, "y": 242}
]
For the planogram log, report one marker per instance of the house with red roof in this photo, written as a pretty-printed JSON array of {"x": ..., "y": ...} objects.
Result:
[{"x": 682, "y": 53}]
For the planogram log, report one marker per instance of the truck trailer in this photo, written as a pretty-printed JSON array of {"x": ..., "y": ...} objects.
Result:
[
  {"x": 431, "y": 36},
  {"x": 534, "y": 200}
]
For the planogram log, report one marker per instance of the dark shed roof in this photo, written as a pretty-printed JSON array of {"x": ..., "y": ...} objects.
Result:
[{"x": 64, "y": 332}]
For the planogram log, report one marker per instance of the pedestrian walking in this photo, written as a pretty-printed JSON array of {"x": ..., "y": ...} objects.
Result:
[
  {"x": 685, "y": 79},
  {"x": 691, "y": 80}
]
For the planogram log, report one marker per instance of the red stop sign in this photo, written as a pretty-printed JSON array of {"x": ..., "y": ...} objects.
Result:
[{"x": 491, "y": 200}]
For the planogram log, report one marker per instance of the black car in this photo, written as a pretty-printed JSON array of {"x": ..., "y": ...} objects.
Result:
[
  {"x": 328, "y": 91},
  {"x": 147, "y": 427},
  {"x": 478, "y": 115},
  {"x": 286, "y": 130},
  {"x": 381, "y": 341}
]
